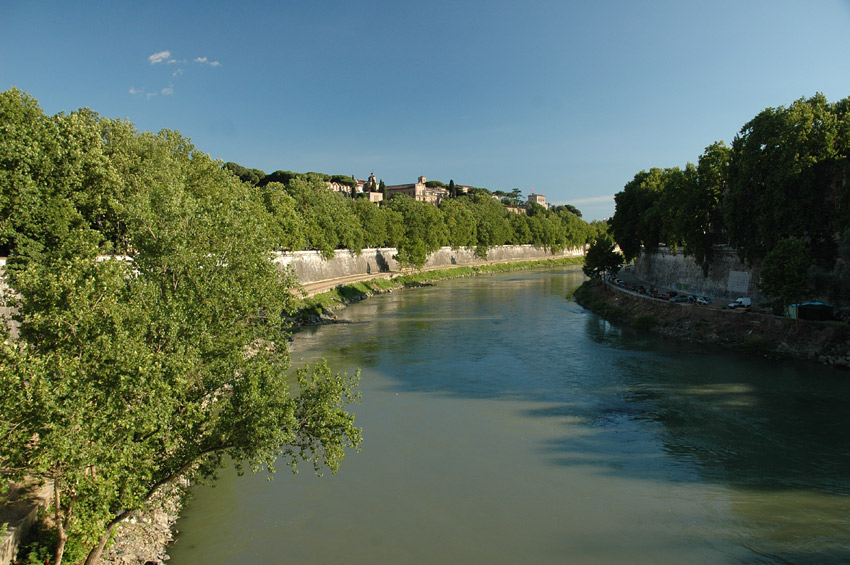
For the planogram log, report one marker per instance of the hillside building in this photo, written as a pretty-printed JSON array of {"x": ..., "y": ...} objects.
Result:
[{"x": 418, "y": 191}]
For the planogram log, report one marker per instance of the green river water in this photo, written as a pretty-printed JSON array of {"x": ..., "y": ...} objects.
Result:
[{"x": 503, "y": 423}]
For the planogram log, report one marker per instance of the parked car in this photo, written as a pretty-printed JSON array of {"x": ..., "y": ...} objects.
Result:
[
  {"x": 703, "y": 300},
  {"x": 681, "y": 298},
  {"x": 742, "y": 302}
]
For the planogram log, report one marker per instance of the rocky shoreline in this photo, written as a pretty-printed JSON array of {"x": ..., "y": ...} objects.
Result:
[
  {"x": 741, "y": 330},
  {"x": 145, "y": 535}
]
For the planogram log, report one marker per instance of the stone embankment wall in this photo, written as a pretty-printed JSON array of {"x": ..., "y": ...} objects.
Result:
[
  {"x": 729, "y": 277},
  {"x": 310, "y": 266}
]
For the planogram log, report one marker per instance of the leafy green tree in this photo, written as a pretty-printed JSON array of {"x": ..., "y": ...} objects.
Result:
[
  {"x": 282, "y": 177},
  {"x": 452, "y": 189},
  {"x": 834, "y": 283},
  {"x": 460, "y": 223},
  {"x": 253, "y": 176},
  {"x": 329, "y": 218},
  {"x": 373, "y": 221},
  {"x": 491, "y": 222},
  {"x": 786, "y": 179},
  {"x": 568, "y": 207},
  {"x": 130, "y": 372},
  {"x": 636, "y": 220},
  {"x": 520, "y": 232},
  {"x": 423, "y": 230},
  {"x": 602, "y": 258},
  {"x": 286, "y": 224},
  {"x": 784, "y": 272}
]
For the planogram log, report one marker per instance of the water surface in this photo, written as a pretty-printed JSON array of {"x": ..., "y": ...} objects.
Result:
[{"x": 505, "y": 424}]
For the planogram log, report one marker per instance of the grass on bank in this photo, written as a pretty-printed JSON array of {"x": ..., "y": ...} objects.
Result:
[{"x": 319, "y": 305}]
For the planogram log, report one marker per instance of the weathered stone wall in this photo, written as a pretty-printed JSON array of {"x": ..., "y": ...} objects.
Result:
[
  {"x": 310, "y": 266},
  {"x": 729, "y": 277}
]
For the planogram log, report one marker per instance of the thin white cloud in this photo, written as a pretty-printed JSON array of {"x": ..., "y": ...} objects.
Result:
[
  {"x": 593, "y": 199},
  {"x": 206, "y": 61},
  {"x": 165, "y": 57},
  {"x": 159, "y": 57}
]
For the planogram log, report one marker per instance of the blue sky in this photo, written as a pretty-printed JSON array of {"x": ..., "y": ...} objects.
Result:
[{"x": 572, "y": 97}]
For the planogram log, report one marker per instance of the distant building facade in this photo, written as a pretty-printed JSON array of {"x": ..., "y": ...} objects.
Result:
[
  {"x": 418, "y": 191},
  {"x": 537, "y": 199}
]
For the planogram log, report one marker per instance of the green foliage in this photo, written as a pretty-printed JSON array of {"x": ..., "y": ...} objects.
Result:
[
  {"x": 253, "y": 176},
  {"x": 286, "y": 224},
  {"x": 460, "y": 222},
  {"x": 788, "y": 179},
  {"x": 330, "y": 221},
  {"x": 129, "y": 372},
  {"x": 602, "y": 258},
  {"x": 784, "y": 272},
  {"x": 785, "y": 176},
  {"x": 423, "y": 230},
  {"x": 344, "y": 180},
  {"x": 834, "y": 283}
]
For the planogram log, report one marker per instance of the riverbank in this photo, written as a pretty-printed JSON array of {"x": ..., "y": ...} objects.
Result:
[
  {"x": 757, "y": 333},
  {"x": 319, "y": 308}
]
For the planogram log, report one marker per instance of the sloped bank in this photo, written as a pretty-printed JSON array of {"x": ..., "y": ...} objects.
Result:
[{"x": 750, "y": 332}]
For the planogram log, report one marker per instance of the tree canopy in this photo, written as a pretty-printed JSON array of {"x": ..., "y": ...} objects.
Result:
[
  {"x": 152, "y": 336},
  {"x": 785, "y": 176}
]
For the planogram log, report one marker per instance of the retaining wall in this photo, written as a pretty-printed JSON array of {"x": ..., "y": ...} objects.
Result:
[
  {"x": 729, "y": 277},
  {"x": 310, "y": 266}
]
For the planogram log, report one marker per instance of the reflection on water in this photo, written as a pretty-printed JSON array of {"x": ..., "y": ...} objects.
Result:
[{"x": 505, "y": 424}]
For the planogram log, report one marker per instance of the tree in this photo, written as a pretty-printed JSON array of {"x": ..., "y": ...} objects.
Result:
[
  {"x": 452, "y": 189},
  {"x": 128, "y": 373},
  {"x": 636, "y": 220},
  {"x": 423, "y": 230},
  {"x": 460, "y": 223},
  {"x": 602, "y": 258},
  {"x": 787, "y": 179},
  {"x": 329, "y": 218},
  {"x": 286, "y": 224},
  {"x": 784, "y": 272}
]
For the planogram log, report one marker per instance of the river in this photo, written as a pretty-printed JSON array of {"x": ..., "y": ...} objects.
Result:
[{"x": 503, "y": 423}]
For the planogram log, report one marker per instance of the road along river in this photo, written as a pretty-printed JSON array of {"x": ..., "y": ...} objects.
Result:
[{"x": 503, "y": 423}]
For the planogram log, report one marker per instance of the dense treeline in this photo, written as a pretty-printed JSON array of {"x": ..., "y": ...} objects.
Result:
[
  {"x": 306, "y": 215},
  {"x": 782, "y": 184},
  {"x": 165, "y": 361}
]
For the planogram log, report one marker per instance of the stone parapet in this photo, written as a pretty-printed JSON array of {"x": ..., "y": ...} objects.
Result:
[{"x": 311, "y": 267}]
